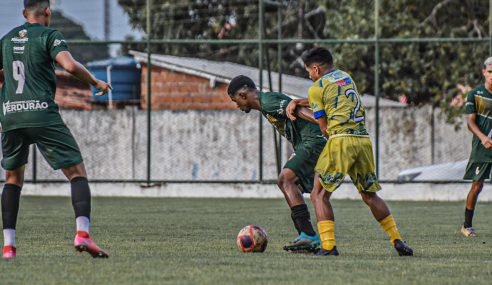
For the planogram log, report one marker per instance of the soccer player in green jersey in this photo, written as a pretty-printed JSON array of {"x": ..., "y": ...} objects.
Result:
[
  {"x": 479, "y": 119},
  {"x": 297, "y": 176},
  {"x": 339, "y": 111},
  {"x": 30, "y": 116}
]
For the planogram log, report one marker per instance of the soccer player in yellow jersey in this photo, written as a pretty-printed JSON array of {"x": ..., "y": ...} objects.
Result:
[{"x": 339, "y": 111}]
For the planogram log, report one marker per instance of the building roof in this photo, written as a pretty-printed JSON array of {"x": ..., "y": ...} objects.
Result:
[{"x": 216, "y": 71}]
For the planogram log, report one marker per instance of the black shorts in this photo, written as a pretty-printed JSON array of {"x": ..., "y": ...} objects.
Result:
[{"x": 55, "y": 143}]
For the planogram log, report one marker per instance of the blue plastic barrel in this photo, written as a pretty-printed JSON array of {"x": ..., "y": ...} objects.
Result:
[{"x": 125, "y": 78}]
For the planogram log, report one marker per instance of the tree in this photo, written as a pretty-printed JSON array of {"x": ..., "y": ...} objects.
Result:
[
  {"x": 426, "y": 72},
  {"x": 222, "y": 19}
]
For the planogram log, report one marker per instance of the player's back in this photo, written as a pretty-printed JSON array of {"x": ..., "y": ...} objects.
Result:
[
  {"x": 27, "y": 58},
  {"x": 335, "y": 95},
  {"x": 273, "y": 105}
]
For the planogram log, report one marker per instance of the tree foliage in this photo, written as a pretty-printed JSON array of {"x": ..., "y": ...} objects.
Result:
[{"x": 425, "y": 72}]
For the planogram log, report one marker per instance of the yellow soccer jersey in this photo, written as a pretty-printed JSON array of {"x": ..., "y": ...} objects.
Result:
[{"x": 335, "y": 96}]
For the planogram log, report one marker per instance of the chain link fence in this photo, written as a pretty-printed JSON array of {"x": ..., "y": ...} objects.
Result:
[{"x": 181, "y": 126}]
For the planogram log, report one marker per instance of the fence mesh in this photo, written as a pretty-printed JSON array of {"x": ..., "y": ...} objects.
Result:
[{"x": 193, "y": 132}]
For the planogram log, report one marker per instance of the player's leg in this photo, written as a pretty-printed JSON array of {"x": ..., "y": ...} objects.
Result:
[
  {"x": 321, "y": 202},
  {"x": 471, "y": 202},
  {"x": 477, "y": 172},
  {"x": 287, "y": 183},
  {"x": 61, "y": 151},
  {"x": 15, "y": 149},
  {"x": 307, "y": 239},
  {"x": 364, "y": 177},
  {"x": 81, "y": 195},
  {"x": 10, "y": 209},
  {"x": 326, "y": 220},
  {"x": 81, "y": 202},
  {"x": 383, "y": 215},
  {"x": 331, "y": 167}
]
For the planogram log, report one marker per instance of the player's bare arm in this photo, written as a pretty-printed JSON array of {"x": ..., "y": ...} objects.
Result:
[
  {"x": 291, "y": 108},
  {"x": 75, "y": 68},
  {"x": 305, "y": 114},
  {"x": 323, "y": 125},
  {"x": 472, "y": 126}
]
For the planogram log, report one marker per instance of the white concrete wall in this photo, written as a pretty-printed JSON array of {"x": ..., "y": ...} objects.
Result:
[
  {"x": 406, "y": 137},
  {"x": 223, "y": 145},
  {"x": 390, "y": 192},
  {"x": 192, "y": 145}
]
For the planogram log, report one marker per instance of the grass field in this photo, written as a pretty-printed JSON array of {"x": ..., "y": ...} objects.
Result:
[{"x": 192, "y": 241}]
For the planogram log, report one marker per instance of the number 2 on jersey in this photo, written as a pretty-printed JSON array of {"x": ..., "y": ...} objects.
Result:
[
  {"x": 353, "y": 93},
  {"x": 19, "y": 75}
]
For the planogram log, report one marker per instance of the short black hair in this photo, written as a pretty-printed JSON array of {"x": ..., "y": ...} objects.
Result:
[
  {"x": 33, "y": 4},
  {"x": 239, "y": 82},
  {"x": 319, "y": 56}
]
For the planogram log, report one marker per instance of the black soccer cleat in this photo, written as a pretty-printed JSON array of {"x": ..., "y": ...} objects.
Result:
[
  {"x": 402, "y": 248},
  {"x": 324, "y": 252}
]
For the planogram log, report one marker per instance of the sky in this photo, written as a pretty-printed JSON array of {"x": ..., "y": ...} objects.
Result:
[{"x": 88, "y": 13}]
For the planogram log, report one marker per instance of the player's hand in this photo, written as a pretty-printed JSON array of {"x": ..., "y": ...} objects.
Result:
[
  {"x": 487, "y": 142},
  {"x": 103, "y": 87},
  {"x": 290, "y": 110}
]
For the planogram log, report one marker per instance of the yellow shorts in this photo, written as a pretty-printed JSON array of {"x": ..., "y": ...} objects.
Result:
[{"x": 350, "y": 155}]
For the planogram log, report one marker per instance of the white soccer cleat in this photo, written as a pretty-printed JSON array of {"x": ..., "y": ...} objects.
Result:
[{"x": 468, "y": 232}]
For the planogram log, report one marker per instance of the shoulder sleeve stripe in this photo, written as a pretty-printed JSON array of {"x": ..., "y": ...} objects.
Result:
[
  {"x": 319, "y": 114},
  {"x": 482, "y": 97}
]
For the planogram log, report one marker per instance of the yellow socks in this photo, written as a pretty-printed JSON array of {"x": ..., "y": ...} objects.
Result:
[
  {"x": 389, "y": 226},
  {"x": 326, "y": 231}
]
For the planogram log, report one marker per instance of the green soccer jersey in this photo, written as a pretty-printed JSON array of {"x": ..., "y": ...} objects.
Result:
[
  {"x": 273, "y": 106},
  {"x": 479, "y": 101},
  {"x": 28, "y": 94}
]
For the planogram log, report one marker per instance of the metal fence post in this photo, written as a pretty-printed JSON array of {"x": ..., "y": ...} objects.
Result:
[
  {"x": 490, "y": 27},
  {"x": 376, "y": 78},
  {"x": 279, "y": 59},
  {"x": 149, "y": 93},
  {"x": 34, "y": 164},
  {"x": 260, "y": 67},
  {"x": 270, "y": 88}
]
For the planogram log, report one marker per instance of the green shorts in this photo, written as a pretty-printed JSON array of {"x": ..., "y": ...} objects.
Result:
[
  {"x": 303, "y": 162},
  {"x": 55, "y": 143},
  {"x": 476, "y": 171}
]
